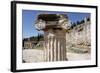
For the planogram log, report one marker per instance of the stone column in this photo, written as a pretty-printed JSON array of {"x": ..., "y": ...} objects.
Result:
[
  {"x": 54, "y": 27},
  {"x": 55, "y": 45}
]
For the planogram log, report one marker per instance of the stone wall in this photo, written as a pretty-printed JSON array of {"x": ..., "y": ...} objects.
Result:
[{"x": 79, "y": 36}]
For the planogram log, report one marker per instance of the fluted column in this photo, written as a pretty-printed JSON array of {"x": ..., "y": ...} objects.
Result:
[{"x": 55, "y": 45}]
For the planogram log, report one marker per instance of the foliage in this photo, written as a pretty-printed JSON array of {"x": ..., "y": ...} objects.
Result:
[
  {"x": 34, "y": 38},
  {"x": 79, "y": 22}
]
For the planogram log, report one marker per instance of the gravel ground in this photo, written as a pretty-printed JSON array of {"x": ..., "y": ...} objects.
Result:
[
  {"x": 34, "y": 55},
  {"x": 75, "y": 56}
]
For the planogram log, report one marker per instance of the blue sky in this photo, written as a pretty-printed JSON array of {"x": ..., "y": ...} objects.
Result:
[{"x": 29, "y": 18}]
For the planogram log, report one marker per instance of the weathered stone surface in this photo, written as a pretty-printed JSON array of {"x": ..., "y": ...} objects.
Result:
[{"x": 54, "y": 36}]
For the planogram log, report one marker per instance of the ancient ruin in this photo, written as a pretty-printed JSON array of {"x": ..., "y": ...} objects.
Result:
[
  {"x": 61, "y": 41},
  {"x": 54, "y": 27}
]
